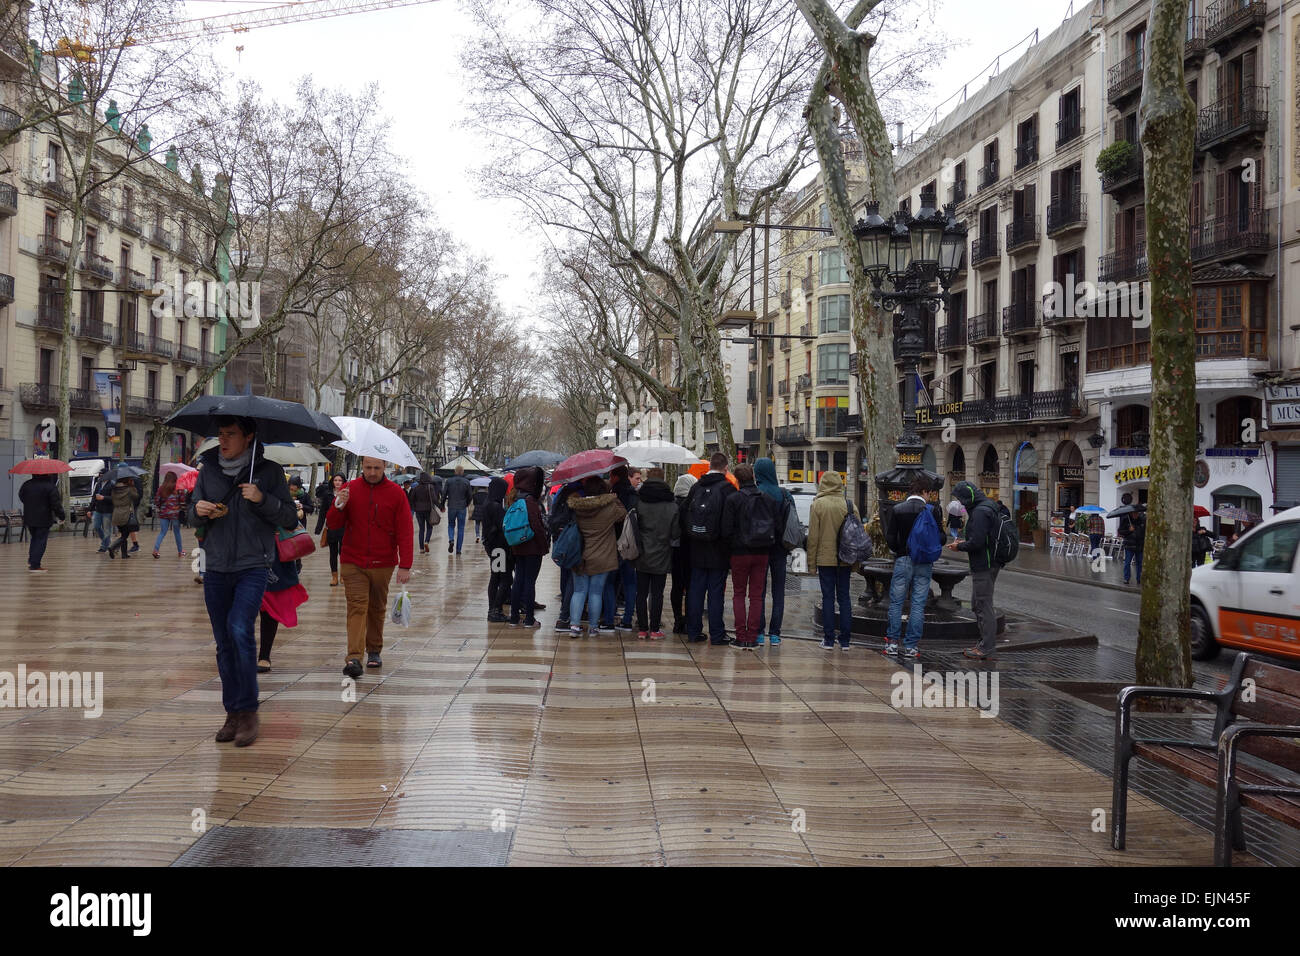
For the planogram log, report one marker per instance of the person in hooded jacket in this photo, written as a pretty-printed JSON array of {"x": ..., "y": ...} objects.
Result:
[
  {"x": 622, "y": 585},
  {"x": 42, "y": 506},
  {"x": 560, "y": 517},
  {"x": 125, "y": 496},
  {"x": 477, "y": 502},
  {"x": 981, "y": 532},
  {"x": 528, "y": 554},
  {"x": 911, "y": 579},
  {"x": 660, "y": 526},
  {"x": 829, "y": 510},
  {"x": 765, "y": 478},
  {"x": 598, "y": 512},
  {"x": 494, "y": 543},
  {"x": 710, "y": 558},
  {"x": 681, "y": 555},
  {"x": 424, "y": 502},
  {"x": 748, "y": 562}
]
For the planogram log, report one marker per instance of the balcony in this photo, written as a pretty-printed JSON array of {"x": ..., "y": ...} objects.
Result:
[
  {"x": 8, "y": 199},
  {"x": 53, "y": 183},
  {"x": 850, "y": 426},
  {"x": 806, "y": 332},
  {"x": 984, "y": 249},
  {"x": 101, "y": 267},
  {"x": 1035, "y": 407},
  {"x": 9, "y": 120},
  {"x": 1244, "y": 115},
  {"x": 957, "y": 192},
  {"x": 1022, "y": 233},
  {"x": 1246, "y": 233},
  {"x": 187, "y": 355},
  {"x": 49, "y": 315},
  {"x": 803, "y": 383},
  {"x": 1119, "y": 356},
  {"x": 129, "y": 279},
  {"x": 1027, "y": 153},
  {"x": 783, "y": 388},
  {"x": 95, "y": 330},
  {"x": 1194, "y": 46},
  {"x": 53, "y": 249},
  {"x": 189, "y": 251},
  {"x": 46, "y": 395},
  {"x": 95, "y": 206},
  {"x": 1053, "y": 321},
  {"x": 806, "y": 284},
  {"x": 750, "y": 436},
  {"x": 128, "y": 223},
  {"x": 791, "y": 435},
  {"x": 1225, "y": 20},
  {"x": 983, "y": 329},
  {"x": 988, "y": 175},
  {"x": 1069, "y": 128},
  {"x": 1067, "y": 214},
  {"x": 785, "y": 345},
  {"x": 149, "y": 407},
  {"x": 1125, "y": 177},
  {"x": 952, "y": 337},
  {"x": 1125, "y": 79},
  {"x": 158, "y": 236},
  {"x": 1123, "y": 265},
  {"x": 785, "y": 298},
  {"x": 208, "y": 359},
  {"x": 1020, "y": 320},
  {"x": 6, "y": 289}
]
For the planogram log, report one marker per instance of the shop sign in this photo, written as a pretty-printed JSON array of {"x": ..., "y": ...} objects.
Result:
[
  {"x": 1287, "y": 413},
  {"x": 1126, "y": 475},
  {"x": 1071, "y": 473},
  {"x": 796, "y": 474}
]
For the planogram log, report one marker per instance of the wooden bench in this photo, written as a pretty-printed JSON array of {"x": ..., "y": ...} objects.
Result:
[
  {"x": 13, "y": 520},
  {"x": 1257, "y": 713}
]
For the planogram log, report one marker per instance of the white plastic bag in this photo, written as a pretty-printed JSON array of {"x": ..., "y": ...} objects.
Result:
[{"x": 401, "y": 609}]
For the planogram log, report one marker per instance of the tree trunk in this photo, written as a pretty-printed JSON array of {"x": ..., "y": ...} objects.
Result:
[{"x": 1167, "y": 120}]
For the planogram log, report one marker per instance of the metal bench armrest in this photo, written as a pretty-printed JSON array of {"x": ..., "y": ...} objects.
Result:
[
  {"x": 1230, "y": 743},
  {"x": 1124, "y": 708}
]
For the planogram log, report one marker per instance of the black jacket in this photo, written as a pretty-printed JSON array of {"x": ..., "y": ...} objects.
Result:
[
  {"x": 901, "y": 519},
  {"x": 656, "y": 512},
  {"x": 981, "y": 525},
  {"x": 244, "y": 538},
  {"x": 709, "y": 554},
  {"x": 424, "y": 494},
  {"x": 42, "y": 505},
  {"x": 494, "y": 512},
  {"x": 735, "y": 518},
  {"x": 104, "y": 486},
  {"x": 456, "y": 493}
]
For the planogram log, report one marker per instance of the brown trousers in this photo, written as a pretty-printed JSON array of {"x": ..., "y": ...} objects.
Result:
[{"x": 367, "y": 593}]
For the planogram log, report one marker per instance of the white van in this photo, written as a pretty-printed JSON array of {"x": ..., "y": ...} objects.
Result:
[{"x": 81, "y": 481}]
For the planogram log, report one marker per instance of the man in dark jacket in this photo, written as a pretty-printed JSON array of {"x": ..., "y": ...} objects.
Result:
[
  {"x": 240, "y": 499},
  {"x": 456, "y": 496},
  {"x": 1132, "y": 529},
  {"x": 981, "y": 536},
  {"x": 42, "y": 506},
  {"x": 624, "y": 579},
  {"x": 501, "y": 561},
  {"x": 103, "y": 507},
  {"x": 424, "y": 502},
  {"x": 710, "y": 555},
  {"x": 560, "y": 517},
  {"x": 528, "y": 554},
  {"x": 658, "y": 521},
  {"x": 910, "y": 576},
  {"x": 740, "y": 514}
]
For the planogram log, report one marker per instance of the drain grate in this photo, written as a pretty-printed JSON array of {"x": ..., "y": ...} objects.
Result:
[{"x": 302, "y": 846}]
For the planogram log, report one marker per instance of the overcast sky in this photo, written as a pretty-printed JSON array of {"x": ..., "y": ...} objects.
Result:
[{"x": 412, "y": 53}]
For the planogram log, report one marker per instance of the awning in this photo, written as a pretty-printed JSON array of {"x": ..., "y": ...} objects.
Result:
[
  {"x": 1280, "y": 434},
  {"x": 1240, "y": 491}
]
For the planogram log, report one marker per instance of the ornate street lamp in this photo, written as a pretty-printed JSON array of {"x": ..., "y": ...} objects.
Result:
[{"x": 904, "y": 256}]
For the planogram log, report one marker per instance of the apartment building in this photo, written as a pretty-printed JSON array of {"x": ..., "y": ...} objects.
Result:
[
  {"x": 1018, "y": 161},
  {"x": 1240, "y": 60},
  {"x": 141, "y": 230}
]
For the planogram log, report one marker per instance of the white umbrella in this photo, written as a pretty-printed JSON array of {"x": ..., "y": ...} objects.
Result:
[
  {"x": 177, "y": 467},
  {"x": 653, "y": 451},
  {"x": 370, "y": 439},
  {"x": 289, "y": 454},
  {"x": 480, "y": 482}
]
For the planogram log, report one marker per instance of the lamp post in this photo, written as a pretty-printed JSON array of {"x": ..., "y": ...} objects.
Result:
[{"x": 904, "y": 256}]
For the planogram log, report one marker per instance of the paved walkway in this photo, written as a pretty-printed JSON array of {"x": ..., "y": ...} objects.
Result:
[{"x": 595, "y": 751}]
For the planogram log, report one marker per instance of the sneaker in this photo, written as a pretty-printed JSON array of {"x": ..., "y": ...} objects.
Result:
[
  {"x": 642, "y": 635},
  {"x": 372, "y": 659},
  {"x": 513, "y": 622},
  {"x": 496, "y": 617},
  {"x": 846, "y": 646},
  {"x": 112, "y": 553},
  {"x": 352, "y": 668},
  {"x": 890, "y": 649},
  {"x": 975, "y": 654},
  {"x": 745, "y": 645},
  {"x": 698, "y": 639},
  {"x": 774, "y": 639},
  {"x": 656, "y": 635},
  {"x": 450, "y": 547},
  {"x": 828, "y": 645},
  {"x": 531, "y": 624},
  {"x": 758, "y": 639},
  {"x": 607, "y": 629},
  {"x": 722, "y": 643},
  {"x": 911, "y": 653},
  {"x": 575, "y": 632},
  {"x": 101, "y": 551},
  {"x": 136, "y": 547},
  {"x": 38, "y": 570},
  {"x": 562, "y": 625}
]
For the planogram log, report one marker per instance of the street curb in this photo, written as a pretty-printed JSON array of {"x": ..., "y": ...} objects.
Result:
[{"x": 1127, "y": 589}]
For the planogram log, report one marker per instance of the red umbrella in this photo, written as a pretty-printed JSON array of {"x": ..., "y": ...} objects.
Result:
[
  {"x": 596, "y": 461},
  {"x": 40, "y": 466},
  {"x": 187, "y": 481},
  {"x": 1200, "y": 512}
]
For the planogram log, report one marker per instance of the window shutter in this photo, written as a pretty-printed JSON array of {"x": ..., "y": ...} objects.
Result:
[
  {"x": 1056, "y": 186},
  {"x": 1140, "y": 225},
  {"x": 1220, "y": 195}
]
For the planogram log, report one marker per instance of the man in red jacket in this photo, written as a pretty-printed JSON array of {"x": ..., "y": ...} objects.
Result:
[{"x": 376, "y": 538}]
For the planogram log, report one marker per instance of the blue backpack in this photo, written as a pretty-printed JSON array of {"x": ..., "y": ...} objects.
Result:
[
  {"x": 925, "y": 543},
  {"x": 516, "y": 526},
  {"x": 567, "y": 550}
]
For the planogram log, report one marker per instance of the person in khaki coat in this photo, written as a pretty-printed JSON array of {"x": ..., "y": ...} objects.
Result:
[
  {"x": 828, "y": 512},
  {"x": 597, "y": 512}
]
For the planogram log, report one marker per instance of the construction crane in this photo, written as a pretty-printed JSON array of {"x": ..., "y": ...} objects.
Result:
[{"x": 242, "y": 22}]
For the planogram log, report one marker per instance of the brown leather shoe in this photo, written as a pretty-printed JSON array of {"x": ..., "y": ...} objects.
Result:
[
  {"x": 334, "y": 580},
  {"x": 227, "y": 731},
  {"x": 246, "y": 733}
]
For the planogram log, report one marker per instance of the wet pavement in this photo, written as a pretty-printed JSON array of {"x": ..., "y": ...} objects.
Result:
[{"x": 478, "y": 743}]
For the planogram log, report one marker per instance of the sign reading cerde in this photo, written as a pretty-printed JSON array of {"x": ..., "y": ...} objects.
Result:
[
  {"x": 1283, "y": 404},
  {"x": 1138, "y": 473}
]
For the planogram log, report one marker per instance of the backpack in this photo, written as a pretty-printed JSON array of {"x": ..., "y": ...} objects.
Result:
[
  {"x": 1005, "y": 537},
  {"x": 516, "y": 526},
  {"x": 705, "y": 511},
  {"x": 793, "y": 536},
  {"x": 759, "y": 527},
  {"x": 561, "y": 516},
  {"x": 567, "y": 550},
  {"x": 629, "y": 539},
  {"x": 852, "y": 544},
  {"x": 925, "y": 542}
]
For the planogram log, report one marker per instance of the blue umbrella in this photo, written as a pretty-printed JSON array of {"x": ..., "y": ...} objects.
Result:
[
  {"x": 1090, "y": 510},
  {"x": 536, "y": 459}
]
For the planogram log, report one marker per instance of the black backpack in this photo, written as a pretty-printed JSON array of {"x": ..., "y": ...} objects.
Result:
[
  {"x": 758, "y": 528},
  {"x": 1004, "y": 536},
  {"x": 704, "y": 511}
]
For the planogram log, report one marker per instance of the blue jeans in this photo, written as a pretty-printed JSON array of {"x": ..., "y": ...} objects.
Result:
[
  {"x": 1132, "y": 557},
  {"x": 626, "y": 574},
  {"x": 39, "y": 538},
  {"x": 456, "y": 523},
  {"x": 914, "y": 579},
  {"x": 174, "y": 526},
  {"x": 104, "y": 527},
  {"x": 776, "y": 577},
  {"x": 425, "y": 527},
  {"x": 835, "y": 586},
  {"x": 233, "y": 599},
  {"x": 588, "y": 589},
  {"x": 711, "y": 582}
]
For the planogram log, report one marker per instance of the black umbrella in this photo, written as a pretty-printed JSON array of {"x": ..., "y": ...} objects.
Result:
[
  {"x": 536, "y": 459},
  {"x": 125, "y": 471},
  {"x": 277, "y": 420},
  {"x": 1123, "y": 510}
]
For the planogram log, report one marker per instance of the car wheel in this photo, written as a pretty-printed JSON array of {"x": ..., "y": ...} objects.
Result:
[{"x": 1204, "y": 646}]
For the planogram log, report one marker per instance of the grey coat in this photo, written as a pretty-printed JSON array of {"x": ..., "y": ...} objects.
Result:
[{"x": 244, "y": 538}]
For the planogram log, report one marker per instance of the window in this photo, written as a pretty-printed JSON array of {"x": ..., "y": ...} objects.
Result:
[
  {"x": 155, "y": 269},
  {"x": 124, "y": 257},
  {"x": 905, "y": 206},
  {"x": 1229, "y": 415},
  {"x": 92, "y": 242},
  {"x": 203, "y": 343},
  {"x": 87, "y": 373},
  {"x": 833, "y": 314},
  {"x": 1026, "y": 370},
  {"x": 45, "y": 366},
  {"x": 180, "y": 333},
  {"x": 151, "y": 385},
  {"x": 51, "y": 224},
  {"x": 1221, "y": 327},
  {"x": 128, "y": 201},
  {"x": 92, "y": 306},
  {"x": 178, "y": 387},
  {"x": 1132, "y": 427},
  {"x": 1270, "y": 549},
  {"x": 833, "y": 364},
  {"x": 53, "y": 161},
  {"x": 954, "y": 386},
  {"x": 988, "y": 380},
  {"x": 832, "y": 263}
]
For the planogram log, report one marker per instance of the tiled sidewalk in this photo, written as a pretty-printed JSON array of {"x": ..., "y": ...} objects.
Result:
[{"x": 590, "y": 751}]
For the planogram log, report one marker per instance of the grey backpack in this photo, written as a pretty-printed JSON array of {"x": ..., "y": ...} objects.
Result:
[{"x": 853, "y": 545}]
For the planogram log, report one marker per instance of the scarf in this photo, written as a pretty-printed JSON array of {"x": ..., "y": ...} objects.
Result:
[{"x": 231, "y": 467}]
